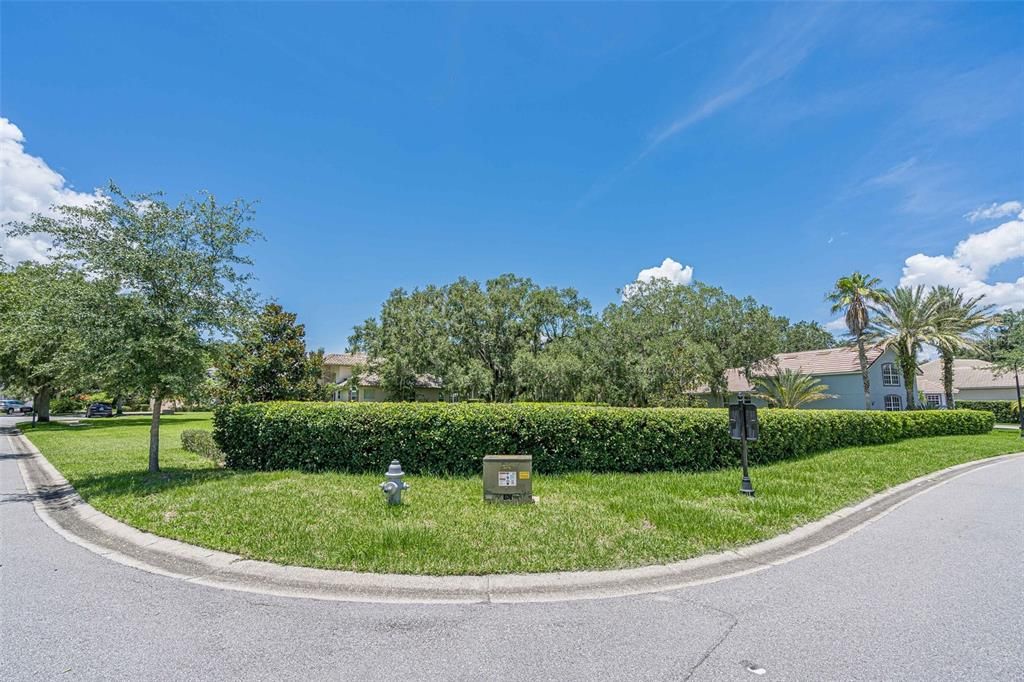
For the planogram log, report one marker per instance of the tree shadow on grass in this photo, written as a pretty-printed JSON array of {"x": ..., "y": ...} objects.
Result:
[
  {"x": 143, "y": 483},
  {"x": 113, "y": 422}
]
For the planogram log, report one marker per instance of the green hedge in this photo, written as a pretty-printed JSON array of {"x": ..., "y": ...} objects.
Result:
[
  {"x": 1005, "y": 411},
  {"x": 451, "y": 439},
  {"x": 201, "y": 443}
]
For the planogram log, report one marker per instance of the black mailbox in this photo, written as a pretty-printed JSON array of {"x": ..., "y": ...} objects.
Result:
[
  {"x": 738, "y": 414},
  {"x": 736, "y": 421}
]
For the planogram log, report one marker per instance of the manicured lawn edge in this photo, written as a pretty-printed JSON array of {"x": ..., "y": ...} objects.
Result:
[{"x": 583, "y": 521}]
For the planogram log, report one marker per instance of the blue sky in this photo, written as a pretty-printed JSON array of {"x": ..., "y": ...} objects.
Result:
[{"x": 771, "y": 148}]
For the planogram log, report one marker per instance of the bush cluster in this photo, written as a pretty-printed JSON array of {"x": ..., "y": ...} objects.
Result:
[
  {"x": 439, "y": 438},
  {"x": 201, "y": 443},
  {"x": 1005, "y": 411},
  {"x": 66, "y": 404}
]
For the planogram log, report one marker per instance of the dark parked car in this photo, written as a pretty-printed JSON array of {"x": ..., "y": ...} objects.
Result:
[
  {"x": 99, "y": 410},
  {"x": 15, "y": 407}
]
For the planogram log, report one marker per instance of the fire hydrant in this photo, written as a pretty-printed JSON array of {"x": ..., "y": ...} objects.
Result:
[{"x": 394, "y": 486}]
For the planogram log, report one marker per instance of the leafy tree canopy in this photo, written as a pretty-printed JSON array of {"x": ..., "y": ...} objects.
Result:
[
  {"x": 804, "y": 335},
  {"x": 270, "y": 362},
  {"x": 178, "y": 274},
  {"x": 475, "y": 337},
  {"x": 51, "y": 330}
]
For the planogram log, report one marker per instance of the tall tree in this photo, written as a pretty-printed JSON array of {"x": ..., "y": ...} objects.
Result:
[
  {"x": 959, "y": 318},
  {"x": 1008, "y": 352},
  {"x": 853, "y": 296},
  {"x": 907, "y": 318},
  {"x": 473, "y": 336},
  {"x": 804, "y": 335},
  {"x": 665, "y": 340},
  {"x": 790, "y": 389},
  {"x": 270, "y": 362},
  {"x": 179, "y": 276},
  {"x": 51, "y": 330}
]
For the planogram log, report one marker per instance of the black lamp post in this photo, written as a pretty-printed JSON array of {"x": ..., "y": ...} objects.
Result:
[{"x": 743, "y": 426}]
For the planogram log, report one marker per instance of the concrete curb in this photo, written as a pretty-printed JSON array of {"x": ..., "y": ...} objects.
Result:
[{"x": 62, "y": 509}]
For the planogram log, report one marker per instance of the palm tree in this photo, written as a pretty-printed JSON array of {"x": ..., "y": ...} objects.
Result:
[
  {"x": 960, "y": 317},
  {"x": 790, "y": 389},
  {"x": 853, "y": 295},
  {"x": 905, "y": 320}
]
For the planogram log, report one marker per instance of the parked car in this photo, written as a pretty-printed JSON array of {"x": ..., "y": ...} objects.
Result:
[
  {"x": 99, "y": 410},
  {"x": 15, "y": 406}
]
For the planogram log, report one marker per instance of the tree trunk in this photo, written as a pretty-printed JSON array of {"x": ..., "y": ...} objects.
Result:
[
  {"x": 947, "y": 377},
  {"x": 1020, "y": 409},
  {"x": 908, "y": 380},
  {"x": 154, "y": 432},
  {"x": 119, "y": 405},
  {"x": 41, "y": 403},
  {"x": 862, "y": 358}
]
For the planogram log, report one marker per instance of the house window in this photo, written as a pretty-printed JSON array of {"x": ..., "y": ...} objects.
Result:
[
  {"x": 933, "y": 399},
  {"x": 890, "y": 375},
  {"x": 893, "y": 403},
  {"x": 353, "y": 395}
]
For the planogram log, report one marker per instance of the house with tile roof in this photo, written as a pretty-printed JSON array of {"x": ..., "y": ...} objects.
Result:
[
  {"x": 339, "y": 368},
  {"x": 973, "y": 380},
  {"x": 839, "y": 369}
]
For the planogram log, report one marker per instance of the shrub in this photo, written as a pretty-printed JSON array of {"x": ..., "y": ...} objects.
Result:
[
  {"x": 451, "y": 439},
  {"x": 201, "y": 443},
  {"x": 1005, "y": 411},
  {"x": 66, "y": 404}
]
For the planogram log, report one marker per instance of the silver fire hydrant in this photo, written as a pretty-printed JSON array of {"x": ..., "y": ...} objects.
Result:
[{"x": 394, "y": 486}]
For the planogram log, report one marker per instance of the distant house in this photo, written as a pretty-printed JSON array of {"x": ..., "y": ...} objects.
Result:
[
  {"x": 839, "y": 369},
  {"x": 973, "y": 380},
  {"x": 339, "y": 368}
]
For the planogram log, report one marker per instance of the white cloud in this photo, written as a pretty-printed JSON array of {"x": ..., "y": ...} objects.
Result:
[
  {"x": 837, "y": 326},
  {"x": 789, "y": 39},
  {"x": 1007, "y": 208},
  {"x": 968, "y": 268},
  {"x": 925, "y": 188},
  {"x": 670, "y": 270},
  {"x": 28, "y": 185}
]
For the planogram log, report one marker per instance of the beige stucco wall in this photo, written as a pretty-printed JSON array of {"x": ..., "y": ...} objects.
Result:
[
  {"x": 337, "y": 373},
  {"x": 987, "y": 394}
]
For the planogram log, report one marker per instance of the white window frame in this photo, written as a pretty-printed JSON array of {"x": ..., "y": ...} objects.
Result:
[
  {"x": 890, "y": 374},
  {"x": 889, "y": 401},
  {"x": 933, "y": 399}
]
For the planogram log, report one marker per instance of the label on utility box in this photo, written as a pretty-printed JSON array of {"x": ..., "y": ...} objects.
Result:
[
  {"x": 506, "y": 479},
  {"x": 524, "y": 475}
]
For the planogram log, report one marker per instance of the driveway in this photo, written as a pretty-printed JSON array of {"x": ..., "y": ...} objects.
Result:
[{"x": 928, "y": 591}]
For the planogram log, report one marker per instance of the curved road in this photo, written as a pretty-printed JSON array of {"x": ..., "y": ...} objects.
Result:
[{"x": 930, "y": 591}]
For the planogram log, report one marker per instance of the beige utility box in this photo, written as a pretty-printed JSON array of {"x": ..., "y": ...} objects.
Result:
[{"x": 508, "y": 479}]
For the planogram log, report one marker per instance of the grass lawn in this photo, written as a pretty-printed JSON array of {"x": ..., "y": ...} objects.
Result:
[{"x": 582, "y": 521}]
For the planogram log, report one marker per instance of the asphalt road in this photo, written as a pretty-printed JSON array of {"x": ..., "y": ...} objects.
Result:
[{"x": 930, "y": 591}]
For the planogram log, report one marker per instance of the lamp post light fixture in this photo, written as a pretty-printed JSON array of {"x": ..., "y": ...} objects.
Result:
[{"x": 743, "y": 426}]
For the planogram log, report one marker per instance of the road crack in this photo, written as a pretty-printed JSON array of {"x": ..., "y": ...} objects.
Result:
[{"x": 733, "y": 622}]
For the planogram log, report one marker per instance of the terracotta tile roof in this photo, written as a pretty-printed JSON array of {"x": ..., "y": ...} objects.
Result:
[
  {"x": 346, "y": 359},
  {"x": 968, "y": 374},
  {"x": 372, "y": 378},
  {"x": 926, "y": 385},
  {"x": 842, "y": 360}
]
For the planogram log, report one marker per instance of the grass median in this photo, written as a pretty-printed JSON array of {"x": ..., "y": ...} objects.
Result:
[{"x": 581, "y": 522}]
